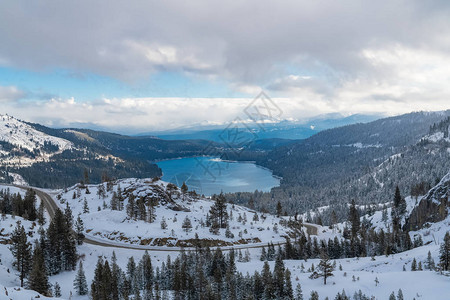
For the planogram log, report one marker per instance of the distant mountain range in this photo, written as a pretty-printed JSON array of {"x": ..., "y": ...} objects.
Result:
[{"x": 293, "y": 130}]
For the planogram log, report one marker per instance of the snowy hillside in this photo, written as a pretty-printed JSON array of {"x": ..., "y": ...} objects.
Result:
[
  {"x": 23, "y": 145},
  {"x": 164, "y": 203}
]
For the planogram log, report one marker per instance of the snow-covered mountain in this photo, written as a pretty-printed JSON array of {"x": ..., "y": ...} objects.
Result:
[{"x": 23, "y": 145}]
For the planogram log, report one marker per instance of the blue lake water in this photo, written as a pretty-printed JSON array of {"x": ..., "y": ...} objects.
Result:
[{"x": 208, "y": 175}]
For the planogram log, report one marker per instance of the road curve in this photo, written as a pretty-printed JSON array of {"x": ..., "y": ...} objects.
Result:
[{"x": 52, "y": 206}]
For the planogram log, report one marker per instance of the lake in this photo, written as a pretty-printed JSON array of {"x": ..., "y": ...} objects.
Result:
[{"x": 209, "y": 175}]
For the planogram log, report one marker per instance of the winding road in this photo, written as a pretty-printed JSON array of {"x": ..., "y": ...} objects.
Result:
[{"x": 52, "y": 206}]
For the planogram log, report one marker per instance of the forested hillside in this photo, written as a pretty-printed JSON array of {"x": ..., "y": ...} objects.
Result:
[{"x": 363, "y": 162}]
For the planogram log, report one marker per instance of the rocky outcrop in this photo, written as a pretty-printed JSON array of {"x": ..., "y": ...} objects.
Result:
[{"x": 433, "y": 207}]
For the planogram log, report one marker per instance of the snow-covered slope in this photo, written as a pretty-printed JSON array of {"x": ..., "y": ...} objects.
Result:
[
  {"x": 23, "y": 145},
  {"x": 246, "y": 226},
  {"x": 23, "y": 135}
]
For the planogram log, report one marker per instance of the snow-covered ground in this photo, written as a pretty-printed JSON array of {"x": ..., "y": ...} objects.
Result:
[
  {"x": 389, "y": 271},
  {"x": 113, "y": 225},
  {"x": 356, "y": 274}
]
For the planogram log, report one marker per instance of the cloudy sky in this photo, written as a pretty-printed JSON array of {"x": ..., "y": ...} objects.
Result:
[{"x": 134, "y": 66}]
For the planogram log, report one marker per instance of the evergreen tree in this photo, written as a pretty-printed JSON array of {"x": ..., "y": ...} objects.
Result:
[
  {"x": 117, "y": 283},
  {"x": 61, "y": 243},
  {"x": 218, "y": 211},
  {"x": 414, "y": 265},
  {"x": 131, "y": 207},
  {"x": 147, "y": 272},
  {"x": 114, "y": 201},
  {"x": 97, "y": 285},
  {"x": 298, "y": 292},
  {"x": 400, "y": 295},
  {"x": 353, "y": 218},
  {"x": 444, "y": 258},
  {"x": 269, "y": 289},
  {"x": 163, "y": 223},
  {"x": 288, "y": 292},
  {"x": 314, "y": 295},
  {"x": 29, "y": 205},
  {"x": 429, "y": 264},
  {"x": 278, "y": 277},
  {"x": 38, "y": 279},
  {"x": 184, "y": 189},
  {"x": 187, "y": 225},
  {"x": 279, "y": 209},
  {"x": 85, "y": 207},
  {"x": 68, "y": 215},
  {"x": 40, "y": 214},
  {"x": 325, "y": 268},
  {"x": 21, "y": 250},
  {"x": 79, "y": 229},
  {"x": 57, "y": 290},
  {"x": 398, "y": 210},
  {"x": 80, "y": 284}
]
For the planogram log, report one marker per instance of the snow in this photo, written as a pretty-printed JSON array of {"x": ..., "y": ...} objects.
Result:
[
  {"x": 113, "y": 225},
  {"x": 18, "y": 179},
  {"x": 388, "y": 270},
  {"x": 23, "y": 135}
]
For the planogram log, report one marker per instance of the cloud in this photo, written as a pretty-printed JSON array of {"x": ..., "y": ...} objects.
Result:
[
  {"x": 314, "y": 57},
  {"x": 246, "y": 42},
  {"x": 10, "y": 93}
]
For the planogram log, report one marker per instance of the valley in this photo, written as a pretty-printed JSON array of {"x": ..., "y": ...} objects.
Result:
[{"x": 248, "y": 218}]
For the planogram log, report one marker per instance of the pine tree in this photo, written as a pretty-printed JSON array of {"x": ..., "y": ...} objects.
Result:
[
  {"x": 80, "y": 284},
  {"x": 147, "y": 272},
  {"x": 398, "y": 209},
  {"x": 184, "y": 189},
  {"x": 114, "y": 201},
  {"x": 429, "y": 264},
  {"x": 279, "y": 209},
  {"x": 187, "y": 225},
  {"x": 353, "y": 217},
  {"x": 40, "y": 214},
  {"x": 97, "y": 285},
  {"x": 21, "y": 250},
  {"x": 79, "y": 229},
  {"x": 68, "y": 215},
  {"x": 444, "y": 258},
  {"x": 325, "y": 267},
  {"x": 85, "y": 207},
  {"x": 29, "y": 205},
  {"x": 278, "y": 277},
  {"x": 263, "y": 256},
  {"x": 414, "y": 265},
  {"x": 116, "y": 281},
  {"x": 269, "y": 289},
  {"x": 131, "y": 207},
  {"x": 38, "y": 279},
  {"x": 61, "y": 243},
  {"x": 163, "y": 223},
  {"x": 56, "y": 290},
  {"x": 314, "y": 295},
  {"x": 392, "y": 296},
  {"x": 400, "y": 295},
  {"x": 298, "y": 292},
  {"x": 218, "y": 211},
  {"x": 288, "y": 292}
]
